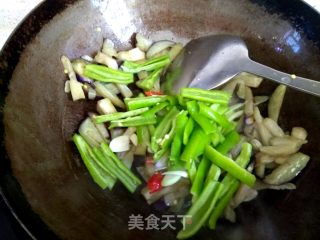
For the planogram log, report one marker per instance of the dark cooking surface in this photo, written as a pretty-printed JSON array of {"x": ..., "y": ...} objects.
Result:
[{"x": 39, "y": 117}]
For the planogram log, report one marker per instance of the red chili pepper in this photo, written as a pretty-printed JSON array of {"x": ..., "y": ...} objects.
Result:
[
  {"x": 154, "y": 182},
  {"x": 153, "y": 93}
]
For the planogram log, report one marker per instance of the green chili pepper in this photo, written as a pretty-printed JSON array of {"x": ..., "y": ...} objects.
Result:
[
  {"x": 119, "y": 115},
  {"x": 216, "y": 116},
  {"x": 105, "y": 74},
  {"x": 188, "y": 130},
  {"x": 133, "y": 122},
  {"x": 148, "y": 82},
  {"x": 222, "y": 203},
  {"x": 196, "y": 145},
  {"x": 211, "y": 96},
  {"x": 230, "y": 166},
  {"x": 231, "y": 140},
  {"x": 198, "y": 182},
  {"x": 176, "y": 146},
  {"x": 148, "y": 65},
  {"x": 124, "y": 179},
  {"x": 242, "y": 160},
  {"x": 201, "y": 209},
  {"x": 163, "y": 128}
]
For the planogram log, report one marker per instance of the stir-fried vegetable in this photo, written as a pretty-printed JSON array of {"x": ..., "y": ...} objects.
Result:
[{"x": 210, "y": 144}]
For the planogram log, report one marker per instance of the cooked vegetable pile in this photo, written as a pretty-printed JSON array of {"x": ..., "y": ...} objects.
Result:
[{"x": 205, "y": 145}]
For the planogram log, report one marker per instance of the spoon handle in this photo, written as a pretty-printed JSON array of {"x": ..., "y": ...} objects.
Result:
[{"x": 299, "y": 83}]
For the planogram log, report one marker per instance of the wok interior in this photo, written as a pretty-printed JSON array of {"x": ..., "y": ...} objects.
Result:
[{"x": 40, "y": 118}]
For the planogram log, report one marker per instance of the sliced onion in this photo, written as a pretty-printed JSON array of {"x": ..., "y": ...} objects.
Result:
[
  {"x": 120, "y": 144},
  {"x": 175, "y": 50},
  {"x": 172, "y": 198},
  {"x": 141, "y": 150},
  {"x": 244, "y": 194},
  {"x": 264, "y": 133},
  {"x": 162, "y": 163},
  {"x": 183, "y": 174},
  {"x": 262, "y": 158},
  {"x": 260, "y": 170},
  {"x": 127, "y": 157},
  {"x": 158, "y": 47},
  {"x": 129, "y": 131},
  {"x": 235, "y": 115},
  {"x": 142, "y": 42},
  {"x": 92, "y": 94},
  {"x": 104, "y": 92},
  {"x": 87, "y": 58},
  {"x": 105, "y": 106},
  {"x": 67, "y": 87},
  {"x": 108, "y": 48},
  {"x": 112, "y": 88},
  {"x": 106, "y": 60},
  {"x": 100, "y": 126},
  {"x": 134, "y": 139},
  {"x": 75, "y": 86},
  {"x": 116, "y": 132},
  {"x": 76, "y": 90},
  {"x": 286, "y": 140},
  {"x": 90, "y": 133},
  {"x": 85, "y": 80},
  {"x": 169, "y": 180},
  {"x": 230, "y": 214},
  {"x": 134, "y": 54},
  {"x": 125, "y": 90},
  {"x": 256, "y": 144},
  {"x": 142, "y": 171}
]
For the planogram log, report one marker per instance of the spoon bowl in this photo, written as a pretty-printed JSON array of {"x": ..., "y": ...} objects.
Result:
[{"x": 211, "y": 61}]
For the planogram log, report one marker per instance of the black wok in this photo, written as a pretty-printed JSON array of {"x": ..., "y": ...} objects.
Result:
[{"x": 42, "y": 177}]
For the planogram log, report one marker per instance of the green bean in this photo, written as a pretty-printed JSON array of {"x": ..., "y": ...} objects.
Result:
[
  {"x": 105, "y": 74},
  {"x": 95, "y": 171},
  {"x": 148, "y": 65},
  {"x": 119, "y": 115},
  {"x": 156, "y": 108},
  {"x": 230, "y": 166},
  {"x": 148, "y": 82},
  {"x": 133, "y": 122},
  {"x": 142, "y": 102},
  {"x": 211, "y": 96}
]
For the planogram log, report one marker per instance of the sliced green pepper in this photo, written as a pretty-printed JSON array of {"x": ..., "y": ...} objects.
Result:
[{"x": 230, "y": 166}]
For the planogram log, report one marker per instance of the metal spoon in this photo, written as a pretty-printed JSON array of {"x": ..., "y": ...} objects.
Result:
[{"x": 208, "y": 62}]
